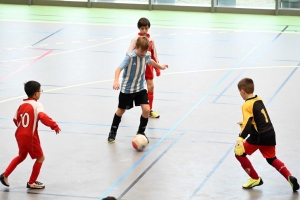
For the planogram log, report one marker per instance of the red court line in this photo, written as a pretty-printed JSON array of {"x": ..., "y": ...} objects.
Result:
[{"x": 24, "y": 66}]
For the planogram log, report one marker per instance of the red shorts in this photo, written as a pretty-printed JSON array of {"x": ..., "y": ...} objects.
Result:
[
  {"x": 30, "y": 145},
  {"x": 149, "y": 75},
  {"x": 266, "y": 151}
]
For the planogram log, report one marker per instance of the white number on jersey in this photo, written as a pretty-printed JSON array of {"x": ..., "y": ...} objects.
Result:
[{"x": 25, "y": 120}]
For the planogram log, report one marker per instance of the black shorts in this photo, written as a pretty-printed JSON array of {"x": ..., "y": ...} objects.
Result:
[{"x": 126, "y": 100}]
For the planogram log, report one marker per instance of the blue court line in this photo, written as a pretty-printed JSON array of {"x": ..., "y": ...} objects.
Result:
[
  {"x": 281, "y": 86},
  {"x": 229, "y": 85},
  {"x": 244, "y": 70},
  {"x": 178, "y": 123},
  {"x": 211, "y": 172}
]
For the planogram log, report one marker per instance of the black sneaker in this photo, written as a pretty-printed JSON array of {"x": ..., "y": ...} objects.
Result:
[
  {"x": 143, "y": 135},
  {"x": 36, "y": 185},
  {"x": 293, "y": 181},
  {"x": 4, "y": 180},
  {"x": 112, "y": 137}
]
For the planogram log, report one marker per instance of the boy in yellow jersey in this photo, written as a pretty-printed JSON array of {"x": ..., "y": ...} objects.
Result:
[{"x": 257, "y": 125}]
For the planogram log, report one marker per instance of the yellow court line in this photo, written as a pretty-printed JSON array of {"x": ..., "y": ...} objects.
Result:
[
  {"x": 166, "y": 27},
  {"x": 171, "y": 73},
  {"x": 59, "y": 53}
]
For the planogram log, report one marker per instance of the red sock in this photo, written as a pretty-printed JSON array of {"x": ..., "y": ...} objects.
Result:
[
  {"x": 150, "y": 97},
  {"x": 247, "y": 166},
  {"x": 35, "y": 172},
  {"x": 277, "y": 164},
  {"x": 13, "y": 164}
]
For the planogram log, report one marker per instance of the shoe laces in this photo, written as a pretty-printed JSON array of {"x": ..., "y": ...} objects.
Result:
[{"x": 38, "y": 183}]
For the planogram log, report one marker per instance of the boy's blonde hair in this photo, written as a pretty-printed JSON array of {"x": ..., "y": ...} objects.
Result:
[
  {"x": 143, "y": 43},
  {"x": 247, "y": 85}
]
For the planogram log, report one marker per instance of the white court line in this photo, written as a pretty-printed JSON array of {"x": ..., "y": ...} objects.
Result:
[{"x": 171, "y": 73}]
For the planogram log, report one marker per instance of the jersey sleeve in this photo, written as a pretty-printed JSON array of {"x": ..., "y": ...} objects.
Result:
[
  {"x": 125, "y": 62},
  {"x": 47, "y": 121},
  {"x": 132, "y": 45},
  {"x": 246, "y": 127},
  {"x": 154, "y": 57}
]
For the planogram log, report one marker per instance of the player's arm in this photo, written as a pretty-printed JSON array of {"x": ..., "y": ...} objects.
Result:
[
  {"x": 116, "y": 85},
  {"x": 245, "y": 130},
  {"x": 47, "y": 121},
  {"x": 132, "y": 45},
  {"x": 122, "y": 66},
  {"x": 155, "y": 58},
  {"x": 156, "y": 65}
]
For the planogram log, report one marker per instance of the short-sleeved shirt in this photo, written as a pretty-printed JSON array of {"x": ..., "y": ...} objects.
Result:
[{"x": 134, "y": 66}]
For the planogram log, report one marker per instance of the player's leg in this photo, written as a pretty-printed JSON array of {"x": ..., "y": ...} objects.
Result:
[
  {"x": 33, "y": 183},
  {"x": 150, "y": 87},
  {"x": 125, "y": 102},
  {"x": 254, "y": 180},
  {"x": 142, "y": 100},
  {"x": 13, "y": 164},
  {"x": 269, "y": 153}
]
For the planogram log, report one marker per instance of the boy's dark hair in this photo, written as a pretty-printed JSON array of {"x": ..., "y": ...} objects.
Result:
[
  {"x": 143, "y": 22},
  {"x": 247, "y": 85},
  {"x": 143, "y": 43},
  {"x": 31, "y": 87},
  {"x": 109, "y": 198}
]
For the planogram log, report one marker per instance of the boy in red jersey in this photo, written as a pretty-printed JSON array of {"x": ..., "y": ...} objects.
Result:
[
  {"x": 143, "y": 26},
  {"x": 26, "y": 120},
  {"x": 258, "y": 126}
]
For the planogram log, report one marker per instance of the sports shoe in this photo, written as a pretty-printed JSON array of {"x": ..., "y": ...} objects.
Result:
[
  {"x": 252, "y": 183},
  {"x": 112, "y": 137},
  {"x": 153, "y": 114},
  {"x": 36, "y": 185},
  {"x": 4, "y": 180},
  {"x": 293, "y": 181},
  {"x": 143, "y": 135}
]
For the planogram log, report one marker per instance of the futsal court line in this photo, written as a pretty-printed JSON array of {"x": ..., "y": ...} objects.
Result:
[
  {"x": 156, "y": 26},
  {"x": 250, "y": 64},
  {"x": 24, "y": 66},
  {"x": 212, "y": 172},
  {"x": 170, "y": 73},
  {"x": 177, "y": 124},
  {"x": 73, "y": 50}
]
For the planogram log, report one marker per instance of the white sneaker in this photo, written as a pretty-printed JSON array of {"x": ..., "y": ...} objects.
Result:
[
  {"x": 36, "y": 185},
  {"x": 4, "y": 180}
]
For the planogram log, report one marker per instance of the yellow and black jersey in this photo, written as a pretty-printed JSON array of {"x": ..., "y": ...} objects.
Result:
[{"x": 256, "y": 123}]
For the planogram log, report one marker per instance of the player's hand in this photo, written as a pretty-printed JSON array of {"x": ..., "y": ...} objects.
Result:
[
  {"x": 164, "y": 67},
  {"x": 57, "y": 131},
  {"x": 239, "y": 147},
  {"x": 116, "y": 85},
  {"x": 240, "y": 123}
]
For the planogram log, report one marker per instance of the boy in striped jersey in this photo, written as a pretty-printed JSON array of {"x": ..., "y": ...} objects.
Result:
[
  {"x": 26, "y": 120},
  {"x": 144, "y": 25},
  {"x": 258, "y": 126},
  {"x": 133, "y": 86}
]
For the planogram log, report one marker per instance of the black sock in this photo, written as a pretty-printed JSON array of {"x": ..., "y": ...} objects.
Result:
[
  {"x": 115, "y": 123},
  {"x": 143, "y": 124}
]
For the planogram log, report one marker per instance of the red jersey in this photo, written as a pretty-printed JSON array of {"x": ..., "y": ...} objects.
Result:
[{"x": 26, "y": 119}]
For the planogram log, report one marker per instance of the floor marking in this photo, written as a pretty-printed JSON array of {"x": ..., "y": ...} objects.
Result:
[
  {"x": 170, "y": 73},
  {"x": 42, "y": 45},
  {"x": 75, "y": 41},
  {"x": 74, "y": 50},
  {"x": 60, "y": 88},
  {"x": 59, "y": 43},
  {"x": 157, "y": 26},
  {"x": 177, "y": 124},
  {"x": 24, "y": 66}
]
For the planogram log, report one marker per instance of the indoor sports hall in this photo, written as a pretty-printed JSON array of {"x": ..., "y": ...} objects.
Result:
[{"x": 74, "y": 50}]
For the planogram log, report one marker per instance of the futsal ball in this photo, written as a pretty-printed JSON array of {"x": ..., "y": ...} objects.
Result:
[{"x": 139, "y": 142}]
